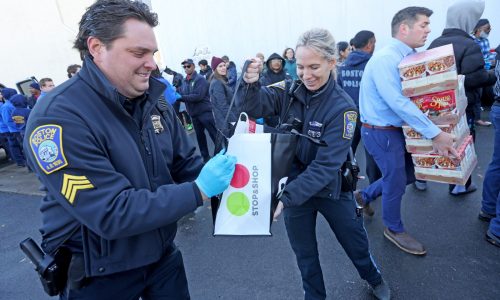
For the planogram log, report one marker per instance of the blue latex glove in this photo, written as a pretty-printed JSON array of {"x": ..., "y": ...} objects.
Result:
[
  {"x": 177, "y": 96},
  {"x": 216, "y": 175}
]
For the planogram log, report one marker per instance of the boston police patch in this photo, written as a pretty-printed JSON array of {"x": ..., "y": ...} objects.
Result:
[
  {"x": 349, "y": 124},
  {"x": 46, "y": 144}
]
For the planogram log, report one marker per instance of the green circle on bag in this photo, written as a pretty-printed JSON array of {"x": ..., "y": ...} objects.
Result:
[{"x": 238, "y": 204}]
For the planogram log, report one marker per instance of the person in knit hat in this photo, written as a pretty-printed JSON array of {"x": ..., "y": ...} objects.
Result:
[
  {"x": 221, "y": 95},
  {"x": 35, "y": 93}
]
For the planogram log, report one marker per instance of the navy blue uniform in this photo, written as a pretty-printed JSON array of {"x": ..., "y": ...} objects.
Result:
[
  {"x": 118, "y": 181},
  {"x": 314, "y": 184}
]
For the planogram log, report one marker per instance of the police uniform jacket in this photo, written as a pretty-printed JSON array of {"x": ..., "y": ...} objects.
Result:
[
  {"x": 329, "y": 115},
  {"x": 118, "y": 185}
]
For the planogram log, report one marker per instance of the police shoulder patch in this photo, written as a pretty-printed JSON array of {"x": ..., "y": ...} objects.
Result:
[
  {"x": 46, "y": 145},
  {"x": 349, "y": 124}
]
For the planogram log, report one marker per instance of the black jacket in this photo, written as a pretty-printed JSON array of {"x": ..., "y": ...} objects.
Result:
[
  {"x": 194, "y": 93},
  {"x": 469, "y": 60},
  {"x": 330, "y": 115},
  {"x": 269, "y": 76},
  {"x": 220, "y": 96},
  {"x": 121, "y": 185}
]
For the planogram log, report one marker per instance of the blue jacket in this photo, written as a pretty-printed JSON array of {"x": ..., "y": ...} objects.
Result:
[
  {"x": 170, "y": 94},
  {"x": 7, "y": 93},
  {"x": 21, "y": 112},
  {"x": 350, "y": 73},
  {"x": 6, "y": 112},
  {"x": 232, "y": 75},
  {"x": 120, "y": 184},
  {"x": 291, "y": 68},
  {"x": 194, "y": 93},
  {"x": 329, "y": 115}
]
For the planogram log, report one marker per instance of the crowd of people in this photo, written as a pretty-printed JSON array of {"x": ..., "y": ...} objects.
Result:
[{"x": 129, "y": 198}]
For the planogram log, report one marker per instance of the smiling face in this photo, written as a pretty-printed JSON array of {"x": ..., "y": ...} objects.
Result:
[
  {"x": 312, "y": 68},
  {"x": 128, "y": 61},
  {"x": 221, "y": 69}
]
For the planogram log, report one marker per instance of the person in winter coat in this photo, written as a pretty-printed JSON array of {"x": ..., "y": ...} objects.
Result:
[
  {"x": 220, "y": 96},
  {"x": 275, "y": 70},
  {"x": 349, "y": 77},
  {"x": 232, "y": 73},
  {"x": 20, "y": 115},
  {"x": 194, "y": 93},
  {"x": 460, "y": 20},
  {"x": 205, "y": 69},
  {"x": 290, "y": 63},
  {"x": 35, "y": 93},
  {"x": 10, "y": 128}
]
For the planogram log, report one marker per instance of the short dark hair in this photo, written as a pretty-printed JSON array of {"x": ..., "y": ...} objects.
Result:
[
  {"x": 342, "y": 46},
  {"x": 105, "y": 18},
  {"x": 409, "y": 16},
  {"x": 72, "y": 69},
  {"x": 362, "y": 38},
  {"x": 203, "y": 62}
]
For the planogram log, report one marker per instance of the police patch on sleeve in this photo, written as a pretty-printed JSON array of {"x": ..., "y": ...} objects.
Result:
[
  {"x": 349, "y": 124},
  {"x": 46, "y": 144}
]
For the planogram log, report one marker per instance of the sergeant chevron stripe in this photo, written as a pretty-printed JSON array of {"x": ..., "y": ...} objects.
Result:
[{"x": 72, "y": 184}]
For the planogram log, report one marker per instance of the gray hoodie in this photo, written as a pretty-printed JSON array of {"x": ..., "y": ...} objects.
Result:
[{"x": 464, "y": 15}]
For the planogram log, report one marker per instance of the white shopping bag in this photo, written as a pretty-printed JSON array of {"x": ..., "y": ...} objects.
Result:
[{"x": 245, "y": 207}]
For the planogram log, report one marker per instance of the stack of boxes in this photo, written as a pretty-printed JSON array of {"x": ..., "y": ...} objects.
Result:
[{"x": 430, "y": 80}]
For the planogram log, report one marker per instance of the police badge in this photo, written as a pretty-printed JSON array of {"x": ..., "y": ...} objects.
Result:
[
  {"x": 46, "y": 144},
  {"x": 157, "y": 124},
  {"x": 314, "y": 129}
]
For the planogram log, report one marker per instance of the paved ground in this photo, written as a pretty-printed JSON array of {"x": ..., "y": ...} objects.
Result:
[{"x": 460, "y": 264}]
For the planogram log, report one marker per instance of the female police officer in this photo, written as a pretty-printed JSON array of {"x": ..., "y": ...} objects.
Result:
[{"x": 314, "y": 184}]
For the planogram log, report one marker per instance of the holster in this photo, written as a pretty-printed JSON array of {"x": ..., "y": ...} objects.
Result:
[
  {"x": 76, "y": 272},
  {"x": 350, "y": 173}
]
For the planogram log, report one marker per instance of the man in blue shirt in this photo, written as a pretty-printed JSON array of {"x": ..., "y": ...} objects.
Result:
[{"x": 384, "y": 110}]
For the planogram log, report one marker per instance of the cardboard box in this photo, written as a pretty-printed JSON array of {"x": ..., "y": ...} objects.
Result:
[
  {"x": 428, "y": 71},
  {"x": 446, "y": 107},
  {"x": 434, "y": 167},
  {"x": 416, "y": 143}
]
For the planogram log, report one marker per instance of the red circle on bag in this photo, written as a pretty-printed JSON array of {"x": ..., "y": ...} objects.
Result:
[{"x": 241, "y": 176}]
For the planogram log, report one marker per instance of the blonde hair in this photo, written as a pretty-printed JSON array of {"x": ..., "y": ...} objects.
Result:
[{"x": 322, "y": 41}]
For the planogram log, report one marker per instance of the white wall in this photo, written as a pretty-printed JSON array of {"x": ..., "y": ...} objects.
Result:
[
  {"x": 37, "y": 35},
  {"x": 240, "y": 29},
  {"x": 36, "y": 38}
]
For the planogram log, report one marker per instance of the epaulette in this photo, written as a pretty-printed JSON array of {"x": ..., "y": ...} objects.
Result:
[
  {"x": 162, "y": 104},
  {"x": 279, "y": 84}
]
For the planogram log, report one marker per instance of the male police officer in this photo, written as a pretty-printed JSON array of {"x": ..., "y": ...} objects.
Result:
[{"x": 119, "y": 168}]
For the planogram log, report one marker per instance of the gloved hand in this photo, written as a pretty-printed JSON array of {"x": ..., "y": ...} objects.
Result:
[
  {"x": 216, "y": 175},
  {"x": 177, "y": 96}
]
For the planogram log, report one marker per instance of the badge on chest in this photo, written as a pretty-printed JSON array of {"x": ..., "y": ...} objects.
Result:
[
  {"x": 158, "y": 127},
  {"x": 314, "y": 129}
]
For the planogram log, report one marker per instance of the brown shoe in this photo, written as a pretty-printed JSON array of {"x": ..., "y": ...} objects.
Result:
[
  {"x": 405, "y": 242},
  {"x": 366, "y": 207}
]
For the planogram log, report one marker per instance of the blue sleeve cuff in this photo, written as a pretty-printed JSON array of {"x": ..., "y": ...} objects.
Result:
[{"x": 197, "y": 194}]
